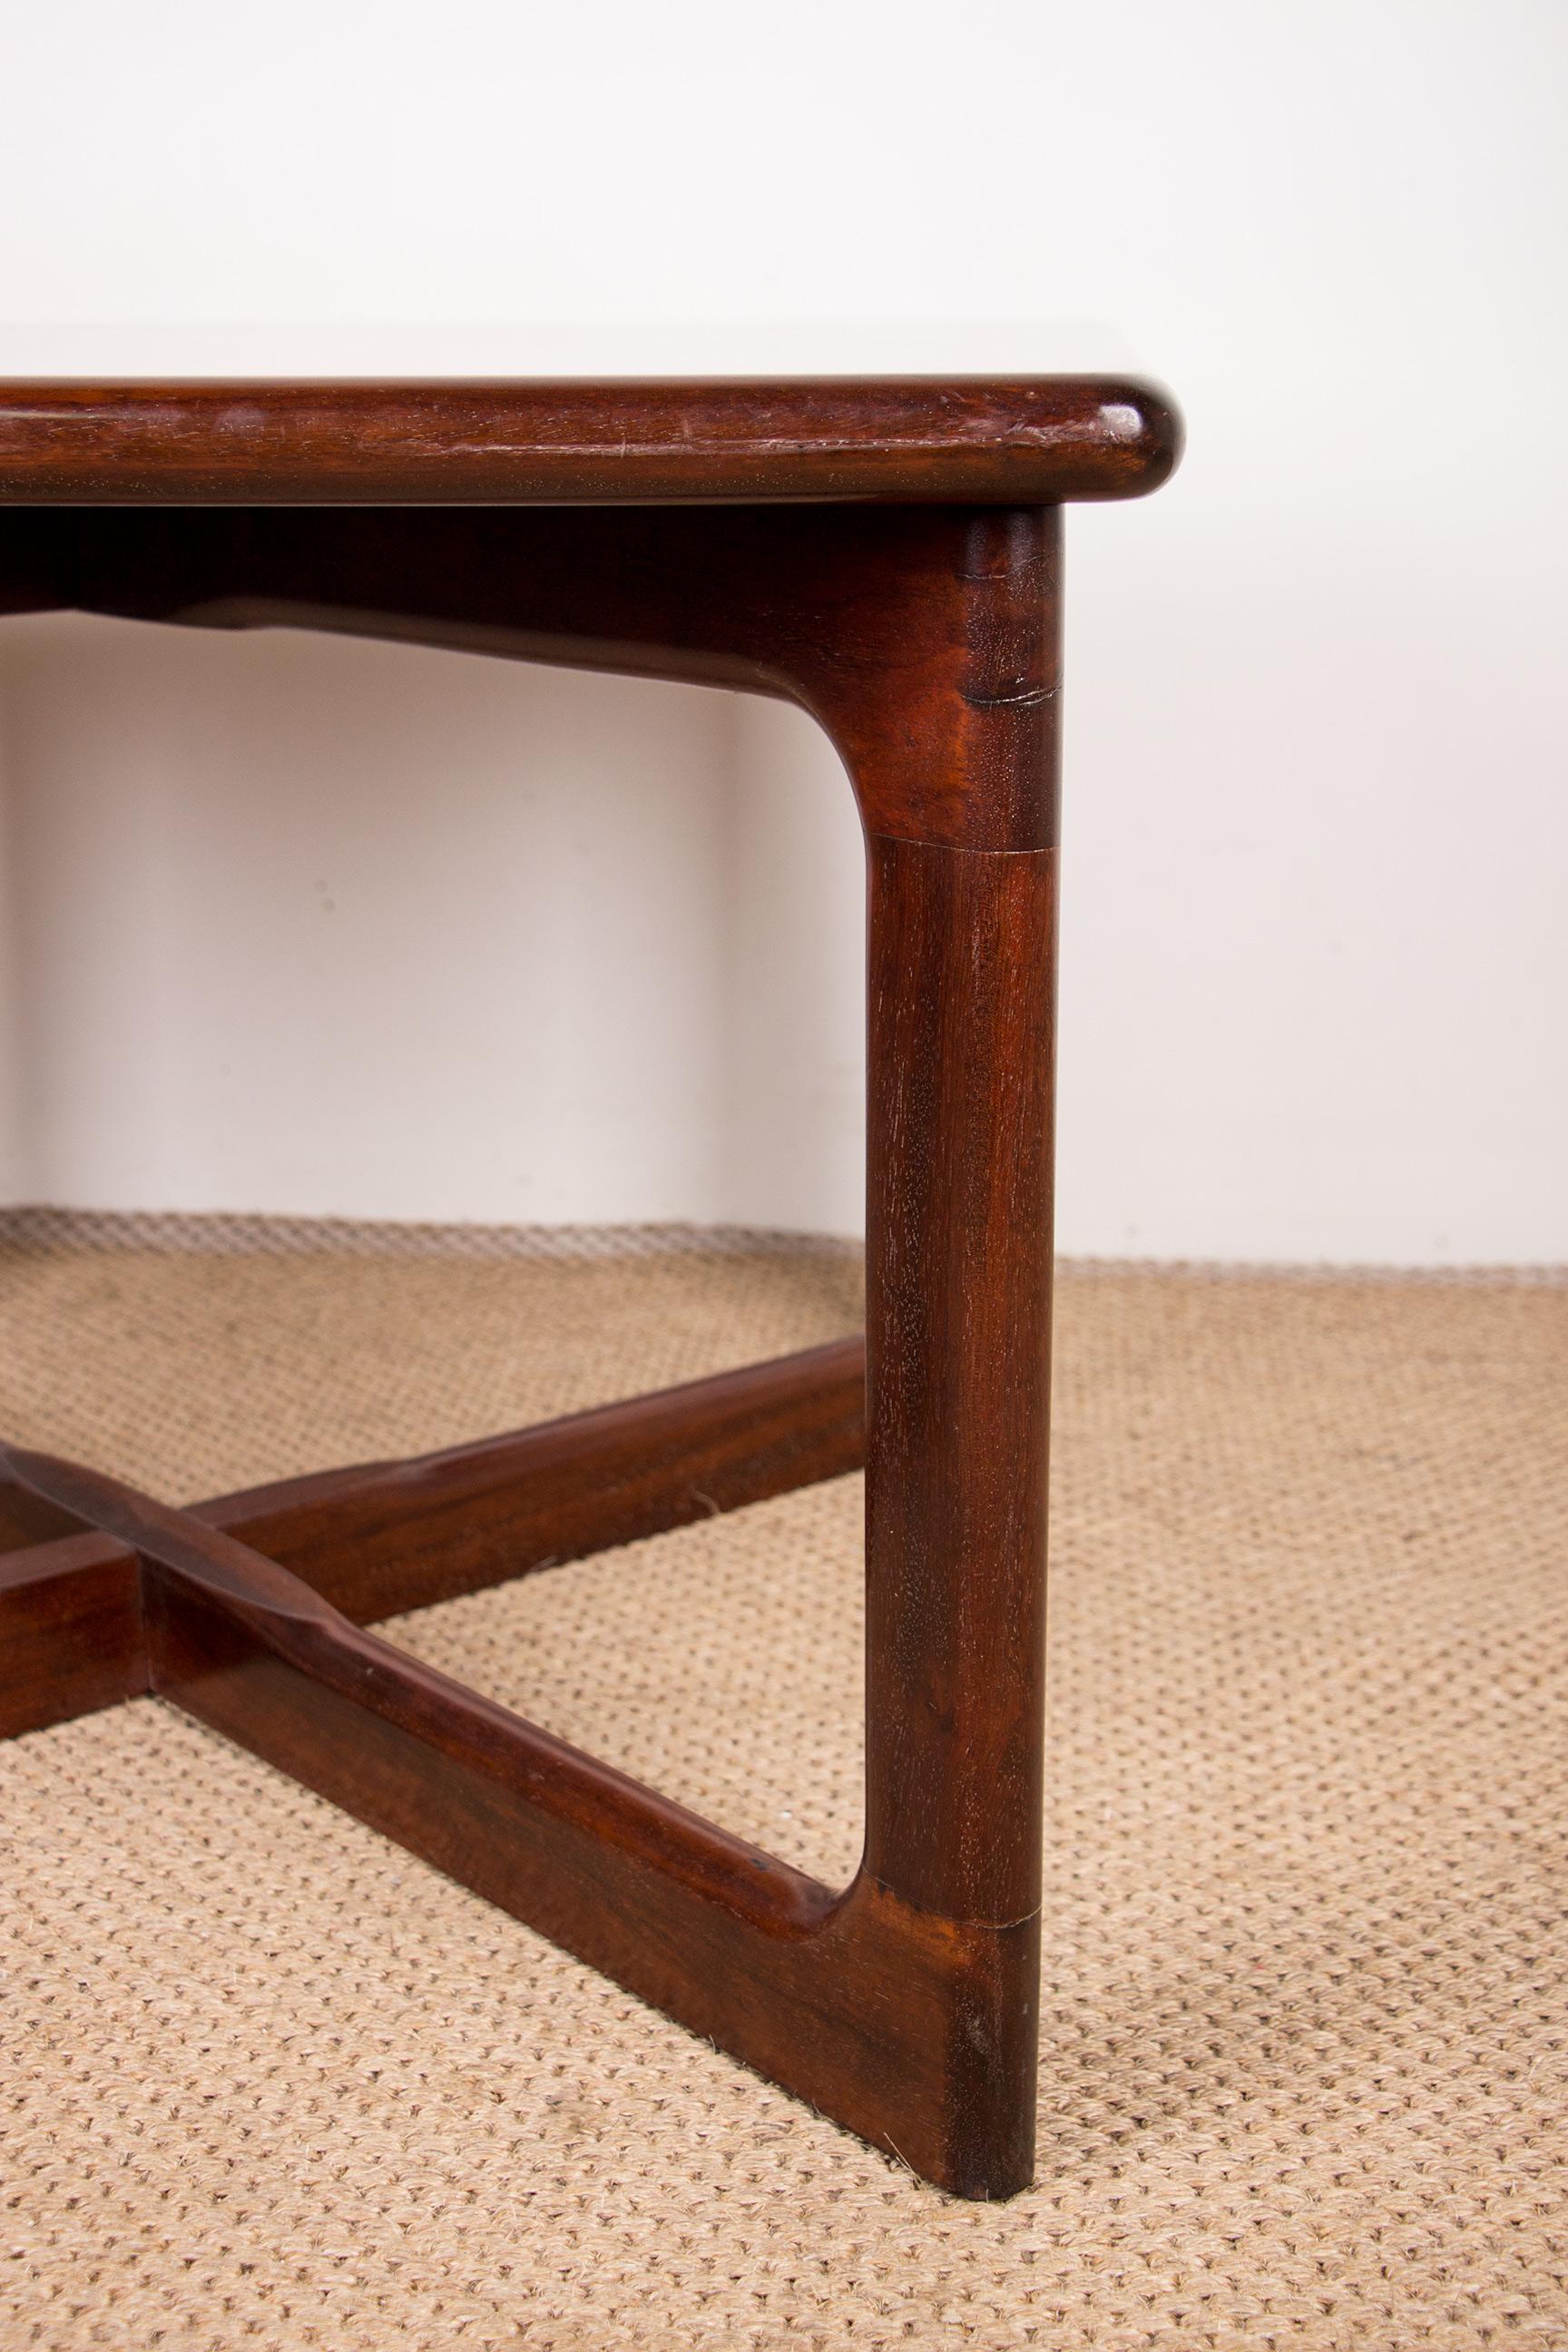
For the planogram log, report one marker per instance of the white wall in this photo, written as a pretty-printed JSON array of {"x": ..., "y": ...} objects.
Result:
[
  {"x": 360, "y": 930},
  {"x": 591, "y": 946}
]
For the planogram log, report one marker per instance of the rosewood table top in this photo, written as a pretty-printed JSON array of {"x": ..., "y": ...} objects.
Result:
[{"x": 983, "y": 440}]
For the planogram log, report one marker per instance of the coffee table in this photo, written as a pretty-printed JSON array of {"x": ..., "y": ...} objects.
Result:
[{"x": 885, "y": 554}]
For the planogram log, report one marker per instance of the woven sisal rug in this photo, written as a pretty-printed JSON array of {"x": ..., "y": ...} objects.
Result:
[{"x": 268, "y": 2082}]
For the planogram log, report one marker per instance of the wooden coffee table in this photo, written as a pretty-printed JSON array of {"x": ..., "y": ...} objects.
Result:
[{"x": 885, "y": 554}]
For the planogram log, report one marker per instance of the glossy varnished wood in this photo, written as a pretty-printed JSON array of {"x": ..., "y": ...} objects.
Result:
[
  {"x": 867, "y": 2005},
  {"x": 888, "y": 557},
  {"x": 385, "y": 1537},
  {"x": 71, "y": 1638},
  {"x": 379, "y": 1541},
  {"x": 958, "y": 1322},
  {"x": 919, "y": 638},
  {"x": 1015, "y": 440}
]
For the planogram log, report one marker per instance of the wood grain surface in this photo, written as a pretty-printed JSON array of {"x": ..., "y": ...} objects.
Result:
[
  {"x": 909, "y": 2028},
  {"x": 887, "y": 555},
  {"x": 924, "y": 640},
  {"x": 379, "y": 1537},
  {"x": 1018, "y": 441}
]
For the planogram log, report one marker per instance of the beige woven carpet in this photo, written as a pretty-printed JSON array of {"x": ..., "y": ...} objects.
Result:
[{"x": 268, "y": 2082}]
